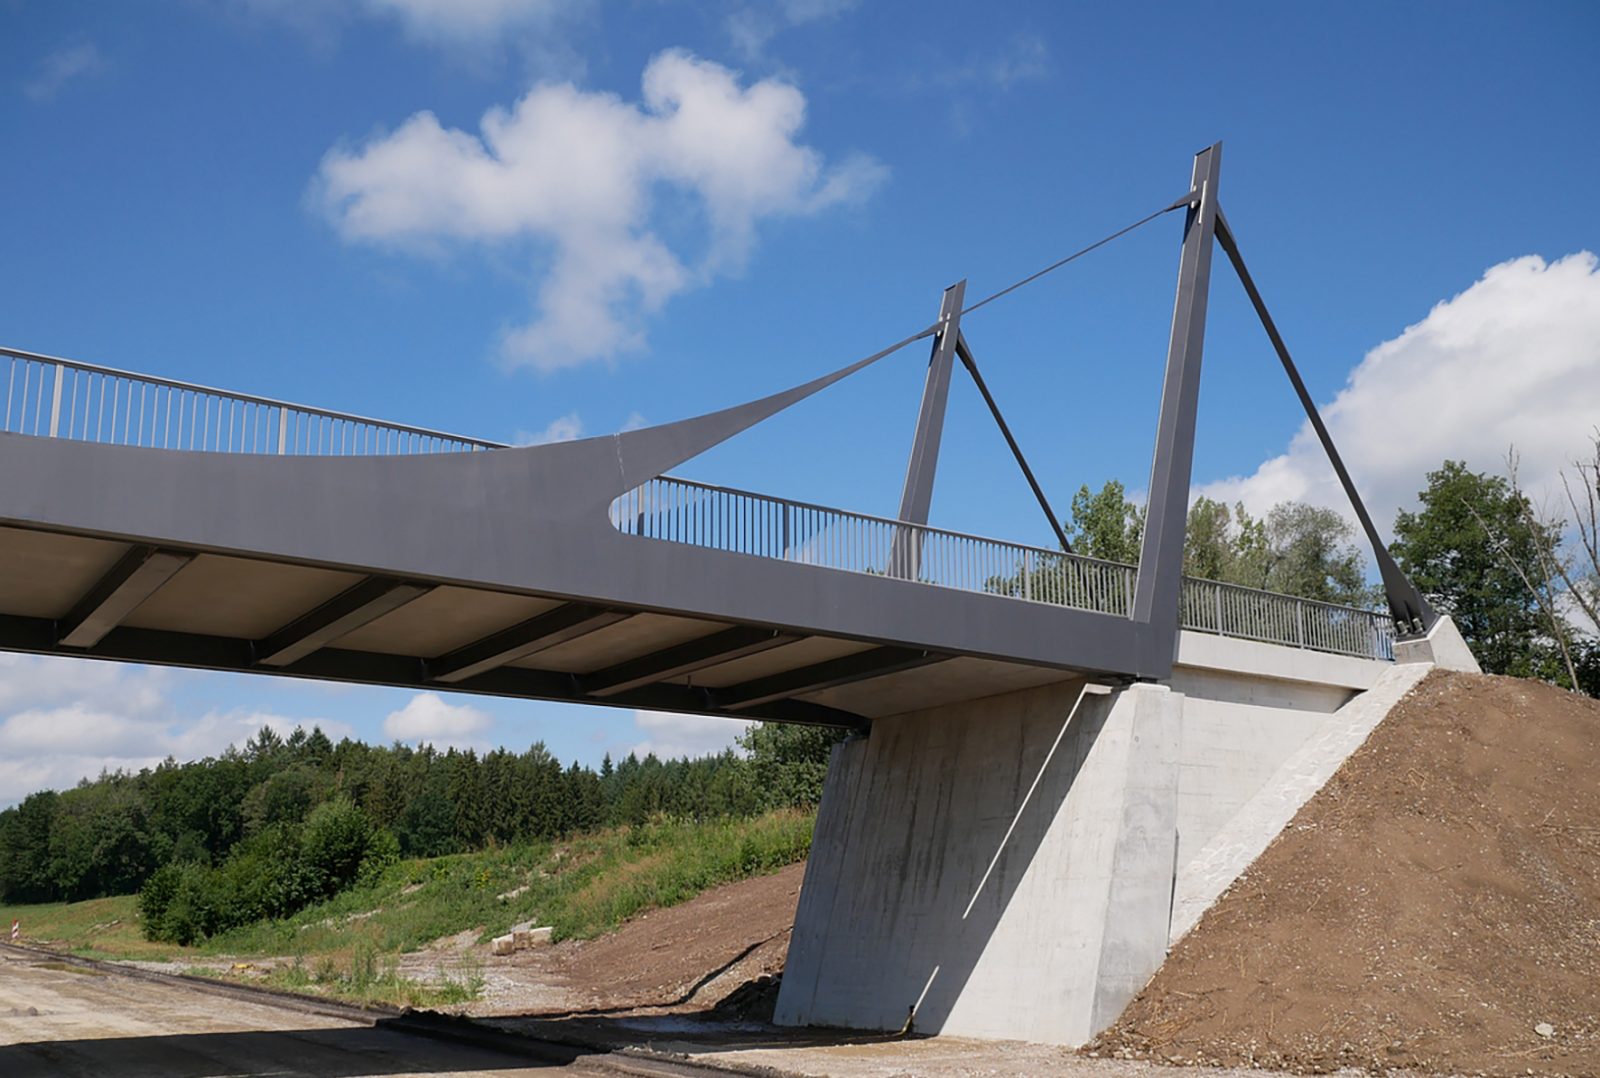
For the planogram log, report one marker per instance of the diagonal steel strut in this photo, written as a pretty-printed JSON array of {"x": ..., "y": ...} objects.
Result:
[
  {"x": 1410, "y": 610},
  {"x": 965, "y": 354}
]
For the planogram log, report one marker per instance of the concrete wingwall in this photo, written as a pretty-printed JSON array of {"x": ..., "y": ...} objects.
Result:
[{"x": 1016, "y": 867}]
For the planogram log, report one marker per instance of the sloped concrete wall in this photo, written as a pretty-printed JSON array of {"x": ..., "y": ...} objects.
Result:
[
  {"x": 1208, "y": 866},
  {"x": 1237, "y": 731},
  {"x": 1001, "y": 870}
]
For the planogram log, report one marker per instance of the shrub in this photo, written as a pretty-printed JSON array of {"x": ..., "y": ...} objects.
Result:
[{"x": 333, "y": 846}]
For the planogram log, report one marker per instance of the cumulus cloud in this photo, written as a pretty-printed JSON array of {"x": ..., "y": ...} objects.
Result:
[
  {"x": 566, "y": 428},
  {"x": 62, "y": 720},
  {"x": 1512, "y": 360},
  {"x": 572, "y": 175},
  {"x": 61, "y": 67},
  {"x": 428, "y": 719},
  {"x": 669, "y": 735}
]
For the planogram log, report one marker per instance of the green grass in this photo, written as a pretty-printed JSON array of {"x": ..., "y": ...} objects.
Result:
[
  {"x": 582, "y": 887},
  {"x": 346, "y": 946},
  {"x": 367, "y": 977},
  {"x": 99, "y": 928}
]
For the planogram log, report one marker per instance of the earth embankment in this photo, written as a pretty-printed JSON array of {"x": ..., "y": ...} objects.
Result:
[{"x": 1435, "y": 907}]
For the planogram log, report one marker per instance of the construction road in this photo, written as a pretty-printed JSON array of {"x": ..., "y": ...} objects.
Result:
[{"x": 62, "y": 1019}]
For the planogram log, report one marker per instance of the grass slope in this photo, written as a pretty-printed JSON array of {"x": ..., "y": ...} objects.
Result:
[{"x": 582, "y": 887}]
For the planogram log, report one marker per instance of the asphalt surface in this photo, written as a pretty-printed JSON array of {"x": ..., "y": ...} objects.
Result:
[{"x": 62, "y": 1019}]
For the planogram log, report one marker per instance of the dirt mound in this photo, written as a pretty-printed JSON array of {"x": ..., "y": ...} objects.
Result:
[
  {"x": 685, "y": 958},
  {"x": 1435, "y": 907}
]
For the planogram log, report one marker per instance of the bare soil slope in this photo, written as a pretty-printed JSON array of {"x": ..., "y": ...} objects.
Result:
[
  {"x": 1435, "y": 907},
  {"x": 682, "y": 959}
]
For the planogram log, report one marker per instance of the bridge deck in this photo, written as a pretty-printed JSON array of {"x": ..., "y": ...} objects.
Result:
[{"x": 146, "y": 520}]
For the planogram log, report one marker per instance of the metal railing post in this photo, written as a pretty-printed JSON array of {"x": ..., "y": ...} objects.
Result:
[{"x": 55, "y": 401}]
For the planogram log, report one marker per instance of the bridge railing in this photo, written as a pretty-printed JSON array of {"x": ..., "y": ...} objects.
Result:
[
  {"x": 741, "y": 522},
  {"x": 683, "y": 511},
  {"x": 1233, "y": 610},
  {"x": 65, "y": 398}
]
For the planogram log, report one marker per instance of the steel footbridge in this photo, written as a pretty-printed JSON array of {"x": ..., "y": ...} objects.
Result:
[{"x": 154, "y": 521}]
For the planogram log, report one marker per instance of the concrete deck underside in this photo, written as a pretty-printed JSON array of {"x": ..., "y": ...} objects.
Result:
[{"x": 227, "y": 597}]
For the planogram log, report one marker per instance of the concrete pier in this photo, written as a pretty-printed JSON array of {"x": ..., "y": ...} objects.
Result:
[{"x": 1022, "y": 894}]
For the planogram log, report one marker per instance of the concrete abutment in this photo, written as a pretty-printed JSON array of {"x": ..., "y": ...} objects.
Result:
[{"x": 1016, "y": 867}]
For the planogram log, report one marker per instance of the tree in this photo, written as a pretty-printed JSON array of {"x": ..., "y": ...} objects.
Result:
[
  {"x": 1309, "y": 553},
  {"x": 1459, "y": 548},
  {"x": 789, "y": 762},
  {"x": 99, "y": 840},
  {"x": 283, "y": 797},
  {"x": 1224, "y": 544},
  {"x": 1580, "y": 574},
  {"x": 334, "y": 844},
  {"x": 25, "y": 849},
  {"x": 1106, "y": 525}
]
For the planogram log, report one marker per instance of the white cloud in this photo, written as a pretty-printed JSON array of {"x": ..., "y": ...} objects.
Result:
[
  {"x": 573, "y": 173},
  {"x": 62, "y": 720},
  {"x": 428, "y": 719},
  {"x": 670, "y": 735},
  {"x": 752, "y": 27},
  {"x": 1024, "y": 57},
  {"x": 457, "y": 20},
  {"x": 61, "y": 67},
  {"x": 442, "y": 22},
  {"x": 566, "y": 428},
  {"x": 1513, "y": 360}
]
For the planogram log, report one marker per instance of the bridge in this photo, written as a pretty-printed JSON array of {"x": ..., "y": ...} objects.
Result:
[{"x": 149, "y": 520}]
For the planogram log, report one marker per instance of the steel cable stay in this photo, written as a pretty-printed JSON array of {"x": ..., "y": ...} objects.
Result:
[
  {"x": 1074, "y": 256},
  {"x": 933, "y": 330},
  {"x": 914, "y": 504},
  {"x": 951, "y": 343}
]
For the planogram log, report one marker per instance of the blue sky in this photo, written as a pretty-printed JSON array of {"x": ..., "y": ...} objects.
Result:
[{"x": 677, "y": 207}]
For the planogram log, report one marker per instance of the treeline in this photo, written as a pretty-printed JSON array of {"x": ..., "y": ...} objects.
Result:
[
  {"x": 1295, "y": 549},
  {"x": 1523, "y": 585},
  {"x": 262, "y": 830}
]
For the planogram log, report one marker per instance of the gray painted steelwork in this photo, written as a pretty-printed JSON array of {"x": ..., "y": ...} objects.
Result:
[
  {"x": 967, "y": 360},
  {"x": 1155, "y": 596},
  {"x": 916, "y": 498},
  {"x": 538, "y": 521},
  {"x": 136, "y": 577}
]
